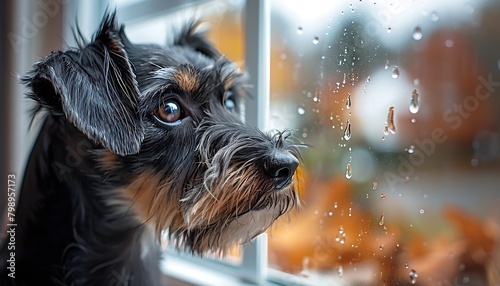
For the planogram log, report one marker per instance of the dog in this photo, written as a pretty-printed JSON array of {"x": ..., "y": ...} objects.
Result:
[{"x": 138, "y": 141}]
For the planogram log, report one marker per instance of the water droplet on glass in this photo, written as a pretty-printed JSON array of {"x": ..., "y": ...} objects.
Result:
[
  {"x": 389, "y": 30},
  {"x": 348, "y": 172},
  {"x": 342, "y": 239},
  {"x": 448, "y": 43},
  {"x": 411, "y": 149},
  {"x": 301, "y": 110},
  {"x": 347, "y": 131},
  {"x": 414, "y": 102},
  {"x": 434, "y": 16},
  {"x": 300, "y": 31},
  {"x": 422, "y": 211},
  {"x": 315, "y": 40},
  {"x": 330, "y": 213},
  {"x": 417, "y": 33},
  {"x": 390, "y": 127},
  {"x": 335, "y": 205},
  {"x": 386, "y": 65},
  {"x": 368, "y": 79},
  {"x": 381, "y": 247},
  {"x": 406, "y": 265},
  {"x": 348, "y": 101},
  {"x": 413, "y": 276},
  {"x": 413, "y": 120},
  {"x": 305, "y": 267},
  {"x": 341, "y": 271},
  {"x": 374, "y": 185},
  {"x": 381, "y": 220},
  {"x": 382, "y": 196},
  {"x": 341, "y": 230},
  {"x": 395, "y": 72}
]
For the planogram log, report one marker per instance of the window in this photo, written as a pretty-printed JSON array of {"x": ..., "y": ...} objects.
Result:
[{"x": 397, "y": 101}]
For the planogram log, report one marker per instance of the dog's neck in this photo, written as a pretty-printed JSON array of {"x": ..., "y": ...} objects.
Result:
[{"x": 94, "y": 236}]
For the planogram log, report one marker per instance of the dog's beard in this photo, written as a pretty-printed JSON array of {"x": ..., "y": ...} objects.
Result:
[{"x": 225, "y": 198}]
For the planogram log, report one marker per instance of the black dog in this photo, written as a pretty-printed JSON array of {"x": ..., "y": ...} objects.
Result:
[{"x": 141, "y": 139}]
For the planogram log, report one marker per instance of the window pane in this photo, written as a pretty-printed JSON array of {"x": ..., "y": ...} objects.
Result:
[{"x": 397, "y": 101}]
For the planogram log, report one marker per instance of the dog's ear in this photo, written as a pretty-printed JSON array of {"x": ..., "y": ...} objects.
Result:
[
  {"x": 95, "y": 88},
  {"x": 193, "y": 36}
]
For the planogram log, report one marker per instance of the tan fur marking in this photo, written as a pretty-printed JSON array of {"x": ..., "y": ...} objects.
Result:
[
  {"x": 154, "y": 201},
  {"x": 186, "y": 80},
  {"x": 108, "y": 160}
]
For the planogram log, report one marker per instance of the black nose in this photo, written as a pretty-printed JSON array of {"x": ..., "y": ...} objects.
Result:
[{"x": 280, "y": 166}]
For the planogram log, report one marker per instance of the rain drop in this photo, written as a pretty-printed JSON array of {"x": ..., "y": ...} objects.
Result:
[
  {"x": 413, "y": 120},
  {"x": 386, "y": 65},
  {"x": 448, "y": 43},
  {"x": 382, "y": 196},
  {"x": 422, "y": 211},
  {"x": 315, "y": 40},
  {"x": 347, "y": 131},
  {"x": 301, "y": 110},
  {"x": 381, "y": 247},
  {"x": 300, "y": 31},
  {"x": 390, "y": 121},
  {"x": 348, "y": 172},
  {"x": 414, "y": 102},
  {"x": 413, "y": 276},
  {"x": 395, "y": 72},
  {"x": 386, "y": 130},
  {"x": 374, "y": 185},
  {"x": 389, "y": 30},
  {"x": 381, "y": 220},
  {"x": 368, "y": 79},
  {"x": 434, "y": 16},
  {"x": 341, "y": 271},
  {"x": 411, "y": 149},
  {"x": 417, "y": 34},
  {"x": 305, "y": 267},
  {"x": 406, "y": 265},
  {"x": 348, "y": 101},
  {"x": 342, "y": 239}
]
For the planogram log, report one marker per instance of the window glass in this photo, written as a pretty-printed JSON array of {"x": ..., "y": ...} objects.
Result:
[{"x": 397, "y": 102}]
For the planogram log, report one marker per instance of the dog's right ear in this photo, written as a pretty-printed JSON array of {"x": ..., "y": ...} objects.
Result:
[{"x": 94, "y": 88}]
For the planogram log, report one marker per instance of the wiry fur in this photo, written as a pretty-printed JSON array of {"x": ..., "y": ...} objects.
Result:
[{"x": 106, "y": 176}]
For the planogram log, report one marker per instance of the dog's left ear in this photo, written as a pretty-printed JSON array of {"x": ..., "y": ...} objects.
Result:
[{"x": 95, "y": 88}]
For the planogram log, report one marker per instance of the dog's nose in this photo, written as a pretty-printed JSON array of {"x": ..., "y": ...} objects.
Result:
[{"x": 280, "y": 166}]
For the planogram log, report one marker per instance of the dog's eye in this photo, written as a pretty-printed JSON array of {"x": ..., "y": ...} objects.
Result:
[
  {"x": 230, "y": 104},
  {"x": 169, "y": 112}
]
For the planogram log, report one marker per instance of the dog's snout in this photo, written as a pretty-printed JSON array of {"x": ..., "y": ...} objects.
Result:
[{"x": 281, "y": 166}]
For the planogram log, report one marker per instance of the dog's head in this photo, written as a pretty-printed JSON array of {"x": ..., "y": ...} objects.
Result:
[{"x": 165, "y": 125}]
